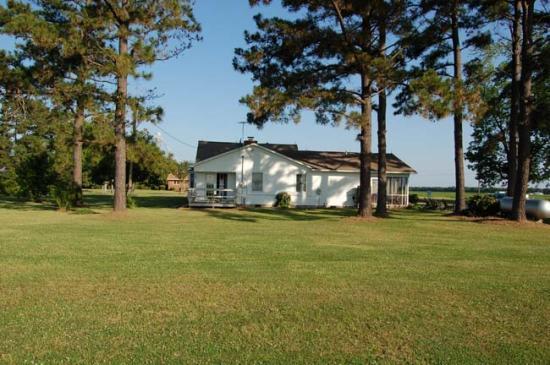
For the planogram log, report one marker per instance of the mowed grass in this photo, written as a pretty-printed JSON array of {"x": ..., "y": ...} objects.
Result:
[
  {"x": 451, "y": 195},
  {"x": 166, "y": 285}
]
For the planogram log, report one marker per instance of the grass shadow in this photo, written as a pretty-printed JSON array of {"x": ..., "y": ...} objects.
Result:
[
  {"x": 97, "y": 201},
  {"x": 24, "y": 205},
  {"x": 94, "y": 201},
  {"x": 277, "y": 214},
  {"x": 160, "y": 201},
  {"x": 105, "y": 201}
]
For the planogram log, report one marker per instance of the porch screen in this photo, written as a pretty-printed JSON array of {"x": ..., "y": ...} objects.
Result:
[
  {"x": 210, "y": 184},
  {"x": 397, "y": 190}
]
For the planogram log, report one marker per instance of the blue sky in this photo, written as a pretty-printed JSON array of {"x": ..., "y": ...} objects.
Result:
[{"x": 201, "y": 91}]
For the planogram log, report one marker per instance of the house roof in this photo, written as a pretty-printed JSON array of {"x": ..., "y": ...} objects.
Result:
[
  {"x": 317, "y": 160},
  {"x": 208, "y": 149},
  {"x": 172, "y": 177},
  {"x": 345, "y": 161}
]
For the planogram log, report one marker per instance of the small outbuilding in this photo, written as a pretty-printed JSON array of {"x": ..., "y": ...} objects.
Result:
[{"x": 176, "y": 183}]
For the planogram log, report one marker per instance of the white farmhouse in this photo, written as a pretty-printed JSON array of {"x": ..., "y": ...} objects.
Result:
[{"x": 251, "y": 174}]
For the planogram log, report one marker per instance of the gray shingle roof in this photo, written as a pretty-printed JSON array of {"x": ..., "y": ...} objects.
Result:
[
  {"x": 207, "y": 149},
  {"x": 345, "y": 161},
  {"x": 319, "y": 160}
]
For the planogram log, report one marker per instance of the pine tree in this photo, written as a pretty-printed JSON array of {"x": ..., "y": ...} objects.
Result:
[
  {"x": 145, "y": 32},
  {"x": 62, "y": 41},
  {"x": 525, "y": 111},
  {"x": 512, "y": 156},
  {"x": 391, "y": 20},
  {"x": 438, "y": 89}
]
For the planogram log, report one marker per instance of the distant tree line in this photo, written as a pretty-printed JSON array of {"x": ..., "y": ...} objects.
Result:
[
  {"x": 66, "y": 116},
  {"x": 481, "y": 61}
]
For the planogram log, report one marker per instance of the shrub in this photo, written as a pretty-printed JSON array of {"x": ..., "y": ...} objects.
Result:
[
  {"x": 63, "y": 196},
  {"x": 282, "y": 200},
  {"x": 483, "y": 205},
  {"x": 434, "y": 204},
  {"x": 414, "y": 199},
  {"x": 131, "y": 202},
  {"x": 8, "y": 182}
]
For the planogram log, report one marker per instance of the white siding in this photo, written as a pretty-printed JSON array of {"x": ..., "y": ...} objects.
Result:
[
  {"x": 324, "y": 188},
  {"x": 336, "y": 188},
  {"x": 279, "y": 174}
]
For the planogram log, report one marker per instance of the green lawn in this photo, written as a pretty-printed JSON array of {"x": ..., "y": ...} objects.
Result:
[
  {"x": 451, "y": 195},
  {"x": 165, "y": 285},
  {"x": 438, "y": 194}
]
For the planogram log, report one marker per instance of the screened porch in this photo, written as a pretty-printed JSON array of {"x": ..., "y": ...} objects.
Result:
[{"x": 397, "y": 191}]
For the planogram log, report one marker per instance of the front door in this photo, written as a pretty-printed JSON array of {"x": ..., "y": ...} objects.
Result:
[
  {"x": 222, "y": 183},
  {"x": 374, "y": 189}
]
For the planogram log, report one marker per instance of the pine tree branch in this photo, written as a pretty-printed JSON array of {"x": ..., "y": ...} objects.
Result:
[{"x": 113, "y": 11}]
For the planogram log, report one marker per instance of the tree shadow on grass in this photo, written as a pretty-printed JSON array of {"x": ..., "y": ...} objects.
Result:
[
  {"x": 98, "y": 201},
  {"x": 21, "y": 204},
  {"x": 427, "y": 215},
  {"x": 93, "y": 202},
  {"x": 105, "y": 201},
  {"x": 172, "y": 202},
  {"x": 276, "y": 214}
]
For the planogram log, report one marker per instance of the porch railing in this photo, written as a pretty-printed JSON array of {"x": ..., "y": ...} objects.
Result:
[
  {"x": 212, "y": 197},
  {"x": 395, "y": 200}
]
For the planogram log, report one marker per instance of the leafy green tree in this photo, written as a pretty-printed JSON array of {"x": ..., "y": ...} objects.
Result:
[
  {"x": 150, "y": 164},
  {"x": 508, "y": 12},
  {"x": 140, "y": 113},
  {"x": 488, "y": 151},
  {"x": 145, "y": 32},
  {"x": 8, "y": 184},
  {"x": 308, "y": 62},
  {"x": 39, "y": 155},
  {"x": 493, "y": 152},
  {"x": 61, "y": 40},
  {"x": 29, "y": 129}
]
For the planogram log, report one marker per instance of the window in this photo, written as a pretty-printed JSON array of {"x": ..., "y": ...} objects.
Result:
[
  {"x": 210, "y": 181},
  {"x": 257, "y": 181},
  {"x": 300, "y": 182}
]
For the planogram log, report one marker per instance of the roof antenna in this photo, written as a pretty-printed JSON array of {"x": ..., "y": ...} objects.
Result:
[{"x": 242, "y": 132}]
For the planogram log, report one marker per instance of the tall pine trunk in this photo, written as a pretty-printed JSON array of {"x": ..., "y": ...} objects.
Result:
[
  {"x": 381, "y": 200},
  {"x": 512, "y": 156},
  {"x": 120, "y": 123},
  {"x": 365, "y": 138},
  {"x": 460, "y": 200},
  {"x": 526, "y": 106},
  {"x": 77, "y": 151}
]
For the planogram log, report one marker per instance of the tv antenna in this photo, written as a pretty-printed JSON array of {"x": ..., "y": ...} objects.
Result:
[{"x": 242, "y": 123}]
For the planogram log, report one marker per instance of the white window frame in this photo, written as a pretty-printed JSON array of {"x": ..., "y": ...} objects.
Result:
[
  {"x": 301, "y": 183},
  {"x": 255, "y": 182}
]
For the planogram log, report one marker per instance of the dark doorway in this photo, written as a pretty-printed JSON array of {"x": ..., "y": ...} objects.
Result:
[{"x": 222, "y": 183}]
